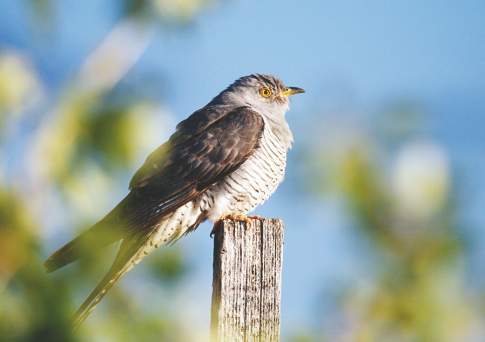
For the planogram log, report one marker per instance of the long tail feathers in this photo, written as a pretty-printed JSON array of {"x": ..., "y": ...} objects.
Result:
[
  {"x": 107, "y": 231},
  {"x": 130, "y": 253},
  {"x": 100, "y": 235},
  {"x": 133, "y": 248}
]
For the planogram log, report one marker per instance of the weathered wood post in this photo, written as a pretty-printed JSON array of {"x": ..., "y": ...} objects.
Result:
[{"x": 247, "y": 280}]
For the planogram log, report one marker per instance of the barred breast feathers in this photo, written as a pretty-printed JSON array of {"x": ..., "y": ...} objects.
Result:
[{"x": 255, "y": 180}]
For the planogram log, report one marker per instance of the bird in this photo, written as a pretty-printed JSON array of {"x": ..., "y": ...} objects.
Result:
[{"x": 221, "y": 162}]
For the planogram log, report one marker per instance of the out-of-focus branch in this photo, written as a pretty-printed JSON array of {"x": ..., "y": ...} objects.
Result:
[{"x": 114, "y": 57}]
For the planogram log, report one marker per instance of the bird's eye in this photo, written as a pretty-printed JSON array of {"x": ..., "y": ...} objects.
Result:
[{"x": 265, "y": 92}]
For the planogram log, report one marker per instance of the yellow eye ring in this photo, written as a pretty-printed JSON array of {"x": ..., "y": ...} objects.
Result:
[{"x": 265, "y": 92}]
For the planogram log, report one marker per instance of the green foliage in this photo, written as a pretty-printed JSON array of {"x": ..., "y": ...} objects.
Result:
[
  {"x": 81, "y": 150},
  {"x": 169, "y": 266},
  {"x": 397, "y": 191},
  {"x": 400, "y": 201},
  {"x": 33, "y": 307}
]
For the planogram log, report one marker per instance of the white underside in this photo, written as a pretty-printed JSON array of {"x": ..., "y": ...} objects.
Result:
[
  {"x": 239, "y": 193},
  {"x": 252, "y": 183}
]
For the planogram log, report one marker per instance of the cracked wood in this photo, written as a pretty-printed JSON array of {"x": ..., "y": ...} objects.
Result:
[{"x": 247, "y": 280}]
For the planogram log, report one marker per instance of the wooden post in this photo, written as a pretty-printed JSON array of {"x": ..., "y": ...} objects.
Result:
[{"x": 247, "y": 280}]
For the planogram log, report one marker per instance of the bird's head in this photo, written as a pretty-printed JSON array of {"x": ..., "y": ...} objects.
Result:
[{"x": 265, "y": 93}]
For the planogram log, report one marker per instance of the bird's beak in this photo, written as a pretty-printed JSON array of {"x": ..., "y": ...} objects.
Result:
[{"x": 292, "y": 91}]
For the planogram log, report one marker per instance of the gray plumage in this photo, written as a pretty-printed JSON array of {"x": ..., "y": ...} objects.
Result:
[{"x": 225, "y": 159}]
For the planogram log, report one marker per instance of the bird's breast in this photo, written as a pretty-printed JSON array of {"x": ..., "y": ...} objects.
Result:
[{"x": 252, "y": 183}]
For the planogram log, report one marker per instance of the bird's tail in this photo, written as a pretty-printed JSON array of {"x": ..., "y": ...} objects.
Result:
[
  {"x": 130, "y": 253},
  {"x": 107, "y": 231},
  {"x": 135, "y": 248}
]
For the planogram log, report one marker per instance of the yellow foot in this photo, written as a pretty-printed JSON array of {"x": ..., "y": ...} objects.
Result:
[{"x": 236, "y": 217}]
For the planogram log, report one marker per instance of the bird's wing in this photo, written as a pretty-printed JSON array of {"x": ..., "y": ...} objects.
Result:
[
  {"x": 187, "y": 129},
  {"x": 209, "y": 144},
  {"x": 193, "y": 159}
]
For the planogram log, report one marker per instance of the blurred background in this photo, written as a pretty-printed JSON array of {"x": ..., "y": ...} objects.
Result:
[{"x": 384, "y": 194}]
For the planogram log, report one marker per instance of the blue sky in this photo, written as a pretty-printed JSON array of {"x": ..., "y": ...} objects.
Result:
[{"x": 351, "y": 53}]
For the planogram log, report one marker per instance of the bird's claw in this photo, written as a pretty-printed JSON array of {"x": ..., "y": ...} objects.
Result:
[{"x": 237, "y": 217}]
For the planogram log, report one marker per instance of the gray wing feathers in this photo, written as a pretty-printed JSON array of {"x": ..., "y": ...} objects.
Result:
[
  {"x": 207, "y": 146},
  {"x": 213, "y": 149}
]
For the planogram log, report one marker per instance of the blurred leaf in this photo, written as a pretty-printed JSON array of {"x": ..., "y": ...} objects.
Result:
[
  {"x": 33, "y": 307},
  {"x": 17, "y": 235},
  {"x": 165, "y": 11},
  {"x": 168, "y": 265},
  {"x": 20, "y": 87},
  {"x": 403, "y": 206}
]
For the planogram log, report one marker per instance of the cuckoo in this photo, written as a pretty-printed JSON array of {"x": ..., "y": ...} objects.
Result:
[{"x": 222, "y": 161}]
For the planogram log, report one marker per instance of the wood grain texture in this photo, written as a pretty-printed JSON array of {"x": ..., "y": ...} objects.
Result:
[{"x": 247, "y": 280}]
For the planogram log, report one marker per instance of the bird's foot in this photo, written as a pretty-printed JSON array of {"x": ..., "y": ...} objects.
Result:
[
  {"x": 234, "y": 217},
  {"x": 237, "y": 217},
  {"x": 256, "y": 217}
]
